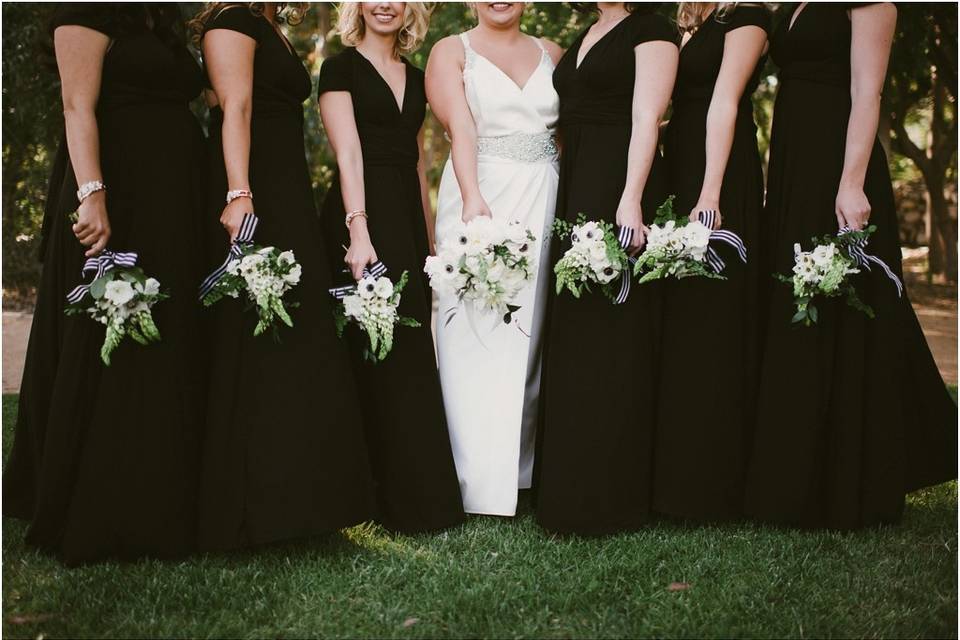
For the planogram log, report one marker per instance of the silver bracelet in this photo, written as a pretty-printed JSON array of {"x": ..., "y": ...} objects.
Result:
[
  {"x": 89, "y": 188},
  {"x": 238, "y": 193}
]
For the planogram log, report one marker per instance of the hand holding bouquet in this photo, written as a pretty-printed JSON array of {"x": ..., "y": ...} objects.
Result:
[
  {"x": 596, "y": 256},
  {"x": 120, "y": 297},
  {"x": 372, "y": 306},
  {"x": 680, "y": 248},
  {"x": 824, "y": 272},
  {"x": 262, "y": 275},
  {"x": 487, "y": 265}
]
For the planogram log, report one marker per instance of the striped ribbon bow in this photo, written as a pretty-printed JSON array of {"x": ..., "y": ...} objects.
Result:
[
  {"x": 99, "y": 265},
  {"x": 625, "y": 237},
  {"x": 707, "y": 218},
  {"x": 244, "y": 238},
  {"x": 857, "y": 250},
  {"x": 375, "y": 270}
]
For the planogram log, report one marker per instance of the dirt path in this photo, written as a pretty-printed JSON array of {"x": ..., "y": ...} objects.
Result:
[{"x": 937, "y": 313}]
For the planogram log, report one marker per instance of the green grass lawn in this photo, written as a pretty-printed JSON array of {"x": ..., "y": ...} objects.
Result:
[{"x": 505, "y": 578}]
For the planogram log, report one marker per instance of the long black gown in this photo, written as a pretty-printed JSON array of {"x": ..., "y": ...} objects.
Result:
[
  {"x": 593, "y": 469},
  {"x": 406, "y": 429},
  {"x": 708, "y": 366},
  {"x": 284, "y": 455},
  {"x": 105, "y": 459},
  {"x": 852, "y": 412}
]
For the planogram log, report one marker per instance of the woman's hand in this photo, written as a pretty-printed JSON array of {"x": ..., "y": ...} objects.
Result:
[
  {"x": 707, "y": 204},
  {"x": 361, "y": 253},
  {"x": 475, "y": 207},
  {"x": 630, "y": 216},
  {"x": 232, "y": 216},
  {"x": 92, "y": 228},
  {"x": 853, "y": 208}
]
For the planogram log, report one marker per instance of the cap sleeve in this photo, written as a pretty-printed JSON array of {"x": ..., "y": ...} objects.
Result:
[
  {"x": 336, "y": 74},
  {"x": 98, "y": 16},
  {"x": 237, "y": 18},
  {"x": 749, "y": 15},
  {"x": 650, "y": 27}
]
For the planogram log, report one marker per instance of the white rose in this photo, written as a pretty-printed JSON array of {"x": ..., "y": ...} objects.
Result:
[
  {"x": 293, "y": 276},
  {"x": 384, "y": 288},
  {"x": 119, "y": 292},
  {"x": 696, "y": 238},
  {"x": 151, "y": 287}
]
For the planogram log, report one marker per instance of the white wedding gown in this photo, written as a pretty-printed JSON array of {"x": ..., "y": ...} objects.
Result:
[{"x": 490, "y": 371}]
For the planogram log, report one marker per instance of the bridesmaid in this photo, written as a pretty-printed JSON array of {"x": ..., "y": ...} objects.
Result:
[
  {"x": 852, "y": 413},
  {"x": 284, "y": 455},
  {"x": 105, "y": 459},
  {"x": 373, "y": 103},
  {"x": 596, "y": 449},
  {"x": 710, "y": 148}
]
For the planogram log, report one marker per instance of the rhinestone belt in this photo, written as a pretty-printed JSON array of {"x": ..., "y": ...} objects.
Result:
[{"x": 521, "y": 147}]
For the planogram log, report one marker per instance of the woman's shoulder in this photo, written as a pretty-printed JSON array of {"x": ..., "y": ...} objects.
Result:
[
  {"x": 336, "y": 72},
  {"x": 749, "y": 15},
  {"x": 104, "y": 17},
  {"x": 648, "y": 26},
  {"x": 237, "y": 17}
]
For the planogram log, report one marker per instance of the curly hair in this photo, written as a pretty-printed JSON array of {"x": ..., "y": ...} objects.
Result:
[
  {"x": 691, "y": 15},
  {"x": 416, "y": 21},
  {"x": 288, "y": 12}
]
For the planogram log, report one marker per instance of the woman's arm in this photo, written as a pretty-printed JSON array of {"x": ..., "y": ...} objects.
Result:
[
  {"x": 444, "y": 82},
  {"x": 336, "y": 111},
  {"x": 742, "y": 49},
  {"x": 872, "y": 35},
  {"x": 80, "y": 52},
  {"x": 428, "y": 218},
  {"x": 656, "y": 72},
  {"x": 229, "y": 58}
]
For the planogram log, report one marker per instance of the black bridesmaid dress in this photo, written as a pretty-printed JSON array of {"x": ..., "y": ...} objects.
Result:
[
  {"x": 852, "y": 412},
  {"x": 406, "y": 429},
  {"x": 105, "y": 459},
  {"x": 593, "y": 470},
  {"x": 707, "y": 383},
  {"x": 284, "y": 455}
]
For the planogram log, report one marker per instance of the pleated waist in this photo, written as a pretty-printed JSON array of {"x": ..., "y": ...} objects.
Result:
[{"x": 391, "y": 146}]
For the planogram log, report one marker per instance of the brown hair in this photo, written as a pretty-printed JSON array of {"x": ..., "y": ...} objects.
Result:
[{"x": 289, "y": 12}]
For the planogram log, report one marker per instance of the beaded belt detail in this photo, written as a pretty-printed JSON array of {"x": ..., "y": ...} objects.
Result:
[{"x": 521, "y": 147}]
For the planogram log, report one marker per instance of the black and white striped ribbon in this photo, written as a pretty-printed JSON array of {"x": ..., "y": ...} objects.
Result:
[
  {"x": 98, "y": 265},
  {"x": 707, "y": 218},
  {"x": 375, "y": 270},
  {"x": 625, "y": 237},
  {"x": 857, "y": 250},
  {"x": 243, "y": 239}
]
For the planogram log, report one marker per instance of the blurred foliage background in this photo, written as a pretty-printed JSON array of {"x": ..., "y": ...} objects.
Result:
[{"x": 918, "y": 120}]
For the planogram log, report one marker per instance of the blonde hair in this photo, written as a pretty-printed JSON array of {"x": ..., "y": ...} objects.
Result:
[
  {"x": 690, "y": 15},
  {"x": 289, "y": 12},
  {"x": 416, "y": 21}
]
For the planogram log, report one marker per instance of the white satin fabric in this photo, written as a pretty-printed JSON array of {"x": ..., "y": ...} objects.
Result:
[{"x": 490, "y": 371}]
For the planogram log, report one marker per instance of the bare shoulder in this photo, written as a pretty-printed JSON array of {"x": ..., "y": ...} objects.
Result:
[
  {"x": 554, "y": 50},
  {"x": 448, "y": 47}
]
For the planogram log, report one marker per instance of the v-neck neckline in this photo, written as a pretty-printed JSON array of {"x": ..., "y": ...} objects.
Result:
[
  {"x": 526, "y": 83},
  {"x": 683, "y": 46},
  {"x": 401, "y": 103},
  {"x": 577, "y": 60},
  {"x": 284, "y": 40},
  {"x": 799, "y": 11}
]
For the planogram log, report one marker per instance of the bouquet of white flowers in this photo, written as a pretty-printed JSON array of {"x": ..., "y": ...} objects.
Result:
[
  {"x": 486, "y": 266},
  {"x": 680, "y": 248},
  {"x": 824, "y": 272},
  {"x": 262, "y": 275},
  {"x": 372, "y": 305},
  {"x": 120, "y": 297},
  {"x": 596, "y": 256}
]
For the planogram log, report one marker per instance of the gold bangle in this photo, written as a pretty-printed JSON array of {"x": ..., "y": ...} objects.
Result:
[{"x": 354, "y": 214}]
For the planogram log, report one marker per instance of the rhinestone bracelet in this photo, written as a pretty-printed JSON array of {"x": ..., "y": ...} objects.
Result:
[
  {"x": 89, "y": 188},
  {"x": 238, "y": 193},
  {"x": 354, "y": 214}
]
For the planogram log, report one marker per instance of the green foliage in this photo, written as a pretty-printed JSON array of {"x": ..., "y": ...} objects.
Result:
[{"x": 506, "y": 578}]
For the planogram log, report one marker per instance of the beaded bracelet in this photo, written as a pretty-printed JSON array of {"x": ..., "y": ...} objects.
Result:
[
  {"x": 89, "y": 188},
  {"x": 354, "y": 214},
  {"x": 238, "y": 193}
]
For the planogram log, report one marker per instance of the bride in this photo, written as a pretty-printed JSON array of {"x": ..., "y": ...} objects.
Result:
[{"x": 492, "y": 89}]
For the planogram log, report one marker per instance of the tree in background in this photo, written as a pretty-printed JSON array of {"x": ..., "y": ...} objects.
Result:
[{"x": 921, "y": 98}]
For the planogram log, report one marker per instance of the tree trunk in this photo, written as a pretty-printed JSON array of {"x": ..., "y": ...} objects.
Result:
[{"x": 943, "y": 247}]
